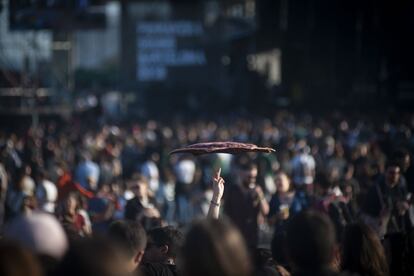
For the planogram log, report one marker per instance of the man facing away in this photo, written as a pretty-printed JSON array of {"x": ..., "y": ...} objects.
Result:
[
  {"x": 131, "y": 239},
  {"x": 311, "y": 245}
]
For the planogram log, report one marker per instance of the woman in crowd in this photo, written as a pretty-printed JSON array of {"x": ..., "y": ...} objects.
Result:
[
  {"x": 282, "y": 203},
  {"x": 362, "y": 252},
  {"x": 70, "y": 217}
]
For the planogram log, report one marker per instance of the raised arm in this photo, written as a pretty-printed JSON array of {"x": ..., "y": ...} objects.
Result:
[{"x": 218, "y": 190}]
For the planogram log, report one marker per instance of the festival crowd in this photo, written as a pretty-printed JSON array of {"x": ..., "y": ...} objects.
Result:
[{"x": 93, "y": 198}]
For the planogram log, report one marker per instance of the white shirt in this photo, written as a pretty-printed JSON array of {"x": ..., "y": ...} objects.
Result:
[
  {"x": 303, "y": 169},
  {"x": 46, "y": 194},
  {"x": 150, "y": 170}
]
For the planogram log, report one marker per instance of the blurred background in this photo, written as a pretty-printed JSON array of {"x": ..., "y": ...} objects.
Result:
[
  {"x": 141, "y": 59},
  {"x": 94, "y": 93}
]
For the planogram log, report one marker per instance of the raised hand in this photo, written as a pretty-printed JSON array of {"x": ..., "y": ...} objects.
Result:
[
  {"x": 218, "y": 190},
  {"x": 218, "y": 187}
]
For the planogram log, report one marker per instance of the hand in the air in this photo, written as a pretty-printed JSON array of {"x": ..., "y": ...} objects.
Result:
[{"x": 218, "y": 187}]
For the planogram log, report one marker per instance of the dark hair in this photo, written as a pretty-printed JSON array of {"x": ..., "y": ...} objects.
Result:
[
  {"x": 362, "y": 251},
  {"x": 393, "y": 163},
  {"x": 247, "y": 165},
  {"x": 17, "y": 261},
  {"x": 91, "y": 256},
  {"x": 310, "y": 240},
  {"x": 262, "y": 257},
  {"x": 398, "y": 154},
  {"x": 264, "y": 265},
  {"x": 215, "y": 247},
  {"x": 278, "y": 247},
  {"x": 139, "y": 178},
  {"x": 169, "y": 236},
  {"x": 323, "y": 181},
  {"x": 130, "y": 236}
]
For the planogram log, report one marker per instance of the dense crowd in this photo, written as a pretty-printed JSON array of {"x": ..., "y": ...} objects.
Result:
[{"x": 82, "y": 198}]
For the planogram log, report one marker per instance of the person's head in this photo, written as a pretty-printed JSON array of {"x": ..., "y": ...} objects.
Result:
[
  {"x": 29, "y": 204},
  {"x": 61, "y": 168},
  {"x": 104, "y": 188},
  {"x": 71, "y": 203},
  {"x": 116, "y": 188},
  {"x": 323, "y": 183},
  {"x": 263, "y": 262},
  {"x": 214, "y": 247},
  {"x": 85, "y": 156},
  {"x": 362, "y": 252},
  {"x": 17, "y": 261},
  {"x": 282, "y": 182},
  {"x": 39, "y": 232},
  {"x": 339, "y": 150},
  {"x": 302, "y": 147},
  {"x": 248, "y": 173},
  {"x": 42, "y": 174},
  {"x": 363, "y": 149},
  {"x": 311, "y": 241},
  {"x": 350, "y": 190},
  {"x": 402, "y": 158},
  {"x": 163, "y": 244},
  {"x": 92, "y": 256},
  {"x": 131, "y": 239},
  {"x": 153, "y": 156},
  {"x": 24, "y": 181},
  {"x": 27, "y": 169},
  {"x": 92, "y": 182},
  {"x": 139, "y": 186},
  {"x": 392, "y": 174}
]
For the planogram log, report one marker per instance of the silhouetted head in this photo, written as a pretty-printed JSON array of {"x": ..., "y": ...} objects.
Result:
[
  {"x": 163, "y": 245},
  {"x": 362, "y": 251},
  {"x": 215, "y": 247},
  {"x": 311, "y": 241},
  {"x": 131, "y": 239}
]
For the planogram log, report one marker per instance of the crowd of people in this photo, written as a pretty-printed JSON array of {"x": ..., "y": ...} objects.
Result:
[{"x": 82, "y": 198}]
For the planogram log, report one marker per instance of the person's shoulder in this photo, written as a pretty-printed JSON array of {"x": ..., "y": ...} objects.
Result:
[
  {"x": 132, "y": 200},
  {"x": 158, "y": 269},
  {"x": 402, "y": 183},
  {"x": 324, "y": 273},
  {"x": 344, "y": 273},
  {"x": 267, "y": 271},
  {"x": 133, "y": 203},
  {"x": 232, "y": 187},
  {"x": 379, "y": 184}
]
